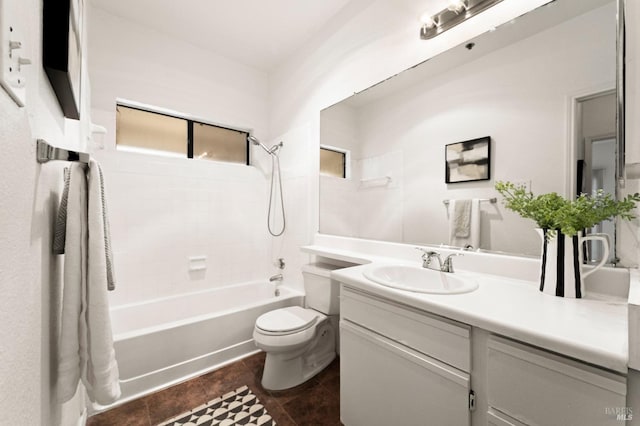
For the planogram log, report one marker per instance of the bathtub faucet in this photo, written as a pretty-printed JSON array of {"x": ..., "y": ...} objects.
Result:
[{"x": 277, "y": 277}]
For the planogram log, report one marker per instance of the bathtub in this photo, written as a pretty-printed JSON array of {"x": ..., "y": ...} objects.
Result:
[{"x": 165, "y": 341}]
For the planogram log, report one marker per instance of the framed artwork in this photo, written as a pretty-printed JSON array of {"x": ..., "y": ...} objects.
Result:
[
  {"x": 468, "y": 161},
  {"x": 62, "y": 51}
]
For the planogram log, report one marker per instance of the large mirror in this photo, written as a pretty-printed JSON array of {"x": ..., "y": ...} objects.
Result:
[{"x": 541, "y": 88}]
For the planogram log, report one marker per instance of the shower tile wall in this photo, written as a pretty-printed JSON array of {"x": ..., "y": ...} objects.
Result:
[{"x": 165, "y": 210}]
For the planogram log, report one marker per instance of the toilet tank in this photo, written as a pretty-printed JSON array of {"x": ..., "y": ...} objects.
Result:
[{"x": 322, "y": 293}]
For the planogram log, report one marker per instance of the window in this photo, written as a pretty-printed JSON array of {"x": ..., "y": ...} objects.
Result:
[
  {"x": 218, "y": 143},
  {"x": 150, "y": 132},
  {"x": 333, "y": 162}
]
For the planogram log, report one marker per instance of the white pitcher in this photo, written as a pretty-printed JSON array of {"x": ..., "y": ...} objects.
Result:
[{"x": 562, "y": 260}]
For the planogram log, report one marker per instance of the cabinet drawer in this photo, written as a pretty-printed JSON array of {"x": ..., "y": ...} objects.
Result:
[
  {"x": 438, "y": 337},
  {"x": 537, "y": 387}
]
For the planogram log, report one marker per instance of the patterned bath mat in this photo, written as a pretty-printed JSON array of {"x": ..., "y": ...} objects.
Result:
[{"x": 240, "y": 407}]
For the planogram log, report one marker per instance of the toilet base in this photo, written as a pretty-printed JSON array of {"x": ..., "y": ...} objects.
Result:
[{"x": 286, "y": 370}]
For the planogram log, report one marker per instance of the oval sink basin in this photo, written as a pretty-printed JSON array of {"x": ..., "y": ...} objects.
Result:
[{"x": 421, "y": 280}]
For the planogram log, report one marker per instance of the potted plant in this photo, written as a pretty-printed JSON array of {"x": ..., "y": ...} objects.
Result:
[{"x": 561, "y": 224}]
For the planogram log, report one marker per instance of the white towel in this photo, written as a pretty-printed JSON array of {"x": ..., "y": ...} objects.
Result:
[
  {"x": 461, "y": 220},
  {"x": 60, "y": 227},
  {"x": 86, "y": 341},
  {"x": 464, "y": 223},
  {"x": 74, "y": 280}
]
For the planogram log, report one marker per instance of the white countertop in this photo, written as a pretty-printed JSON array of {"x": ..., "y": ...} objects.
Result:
[{"x": 593, "y": 330}]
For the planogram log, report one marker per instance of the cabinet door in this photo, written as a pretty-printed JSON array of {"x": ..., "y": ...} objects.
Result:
[
  {"x": 541, "y": 388},
  {"x": 496, "y": 418},
  {"x": 385, "y": 383}
]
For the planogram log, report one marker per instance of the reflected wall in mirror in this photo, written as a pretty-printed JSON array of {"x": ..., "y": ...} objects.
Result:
[{"x": 517, "y": 84}]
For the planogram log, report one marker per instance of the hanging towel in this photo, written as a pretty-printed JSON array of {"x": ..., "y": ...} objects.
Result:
[
  {"x": 74, "y": 279},
  {"x": 100, "y": 369},
  {"x": 60, "y": 227},
  {"x": 461, "y": 220},
  {"x": 464, "y": 223},
  {"x": 86, "y": 341},
  {"x": 101, "y": 220}
]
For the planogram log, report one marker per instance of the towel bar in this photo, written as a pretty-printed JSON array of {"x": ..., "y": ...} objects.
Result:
[
  {"x": 46, "y": 152},
  {"x": 491, "y": 200}
]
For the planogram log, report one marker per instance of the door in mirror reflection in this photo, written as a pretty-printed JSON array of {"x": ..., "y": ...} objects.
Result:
[
  {"x": 600, "y": 161},
  {"x": 598, "y": 150}
]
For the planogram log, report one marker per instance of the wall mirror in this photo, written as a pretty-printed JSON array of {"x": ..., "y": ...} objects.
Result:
[{"x": 521, "y": 85}]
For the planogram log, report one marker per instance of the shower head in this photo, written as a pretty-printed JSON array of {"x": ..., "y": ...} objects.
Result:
[
  {"x": 275, "y": 148},
  {"x": 255, "y": 141},
  {"x": 271, "y": 150}
]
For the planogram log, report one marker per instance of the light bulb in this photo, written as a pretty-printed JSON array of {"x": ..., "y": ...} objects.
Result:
[
  {"x": 428, "y": 21},
  {"x": 457, "y": 5}
]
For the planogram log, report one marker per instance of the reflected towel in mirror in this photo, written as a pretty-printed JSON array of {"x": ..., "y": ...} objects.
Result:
[{"x": 464, "y": 223}]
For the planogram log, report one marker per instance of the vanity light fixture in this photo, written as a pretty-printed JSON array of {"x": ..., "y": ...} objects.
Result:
[{"x": 456, "y": 12}]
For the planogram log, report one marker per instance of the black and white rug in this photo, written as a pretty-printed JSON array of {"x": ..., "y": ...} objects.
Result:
[{"x": 240, "y": 407}]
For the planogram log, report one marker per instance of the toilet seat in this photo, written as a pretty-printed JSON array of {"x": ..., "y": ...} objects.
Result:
[{"x": 287, "y": 321}]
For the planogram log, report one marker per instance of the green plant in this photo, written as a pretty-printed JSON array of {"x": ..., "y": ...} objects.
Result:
[{"x": 555, "y": 213}]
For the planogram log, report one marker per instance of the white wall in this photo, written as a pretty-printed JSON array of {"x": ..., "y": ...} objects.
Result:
[
  {"x": 30, "y": 275},
  {"x": 164, "y": 210},
  {"x": 520, "y": 100}
]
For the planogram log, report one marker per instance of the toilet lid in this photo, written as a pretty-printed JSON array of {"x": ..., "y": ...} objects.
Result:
[{"x": 287, "y": 320}]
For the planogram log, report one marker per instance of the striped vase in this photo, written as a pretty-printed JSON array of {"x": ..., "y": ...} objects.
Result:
[{"x": 562, "y": 260}]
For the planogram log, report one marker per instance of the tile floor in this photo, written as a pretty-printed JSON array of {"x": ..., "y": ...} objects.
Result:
[{"x": 316, "y": 402}]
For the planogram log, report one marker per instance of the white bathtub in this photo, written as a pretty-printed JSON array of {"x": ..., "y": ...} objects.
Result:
[{"x": 165, "y": 341}]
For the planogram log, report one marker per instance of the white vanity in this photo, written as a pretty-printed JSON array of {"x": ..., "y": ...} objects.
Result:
[{"x": 504, "y": 354}]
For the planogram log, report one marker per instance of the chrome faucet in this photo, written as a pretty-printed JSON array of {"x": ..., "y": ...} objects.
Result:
[
  {"x": 428, "y": 255},
  {"x": 447, "y": 266},
  {"x": 277, "y": 277}
]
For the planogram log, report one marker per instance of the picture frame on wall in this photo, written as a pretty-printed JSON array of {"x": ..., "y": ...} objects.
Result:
[
  {"x": 468, "y": 161},
  {"x": 62, "y": 51}
]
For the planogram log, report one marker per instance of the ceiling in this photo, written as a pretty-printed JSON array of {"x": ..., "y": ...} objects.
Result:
[{"x": 258, "y": 33}]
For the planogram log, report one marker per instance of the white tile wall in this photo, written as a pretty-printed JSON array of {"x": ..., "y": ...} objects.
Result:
[{"x": 164, "y": 210}]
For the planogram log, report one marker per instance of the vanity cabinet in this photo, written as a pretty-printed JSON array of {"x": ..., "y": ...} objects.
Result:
[
  {"x": 401, "y": 366},
  {"x": 530, "y": 386}
]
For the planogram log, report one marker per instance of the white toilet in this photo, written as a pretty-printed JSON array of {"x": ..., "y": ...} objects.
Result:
[{"x": 300, "y": 342}]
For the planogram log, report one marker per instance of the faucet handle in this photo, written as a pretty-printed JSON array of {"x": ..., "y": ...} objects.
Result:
[
  {"x": 427, "y": 252},
  {"x": 447, "y": 265},
  {"x": 424, "y": 251},
  {"x": 427, "y": 255}
]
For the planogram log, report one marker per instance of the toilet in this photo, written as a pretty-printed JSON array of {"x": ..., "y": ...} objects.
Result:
[{"x": 300, "y": 342}]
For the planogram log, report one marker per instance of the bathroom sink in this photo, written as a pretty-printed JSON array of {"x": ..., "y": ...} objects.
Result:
[{"x": 421, "y": 280}]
